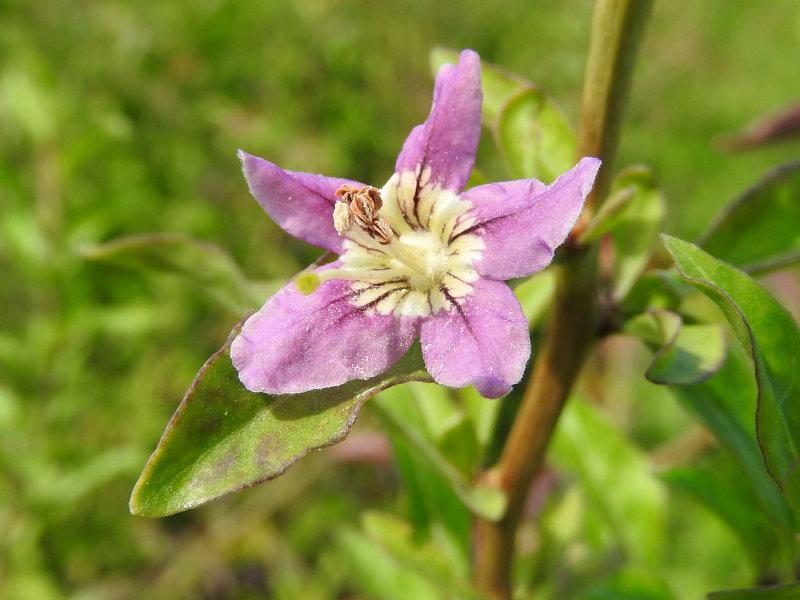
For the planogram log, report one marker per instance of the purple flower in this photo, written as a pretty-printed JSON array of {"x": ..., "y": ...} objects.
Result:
[{"x": 419, "y": 257}]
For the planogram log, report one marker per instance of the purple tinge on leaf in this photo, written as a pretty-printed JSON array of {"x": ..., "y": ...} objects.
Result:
[{"x": 418, "y": 257}]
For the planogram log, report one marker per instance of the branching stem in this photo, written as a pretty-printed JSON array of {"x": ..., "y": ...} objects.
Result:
[{"x": 616, "y": 29}]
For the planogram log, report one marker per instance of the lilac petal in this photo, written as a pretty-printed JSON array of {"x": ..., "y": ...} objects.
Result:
[
  {"x": 523, "y": 222},
  {"x": 297, "y": 343},
  {"x": 483, "y": 340},
  {"x": 447, "y": 141},
  {"x": 301, "y": 203}
]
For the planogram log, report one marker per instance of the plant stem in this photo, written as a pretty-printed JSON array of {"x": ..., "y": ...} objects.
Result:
[{"x": 616, "y": 28}]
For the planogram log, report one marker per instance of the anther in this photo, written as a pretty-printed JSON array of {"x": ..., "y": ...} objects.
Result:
[{"x": 361, "y": 206}]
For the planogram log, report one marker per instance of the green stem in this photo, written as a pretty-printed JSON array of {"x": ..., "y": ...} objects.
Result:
[{"x": 616, "y": 28}]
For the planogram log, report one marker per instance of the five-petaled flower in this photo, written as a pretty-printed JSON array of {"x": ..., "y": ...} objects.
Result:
[{"x": 418, "y": 258}]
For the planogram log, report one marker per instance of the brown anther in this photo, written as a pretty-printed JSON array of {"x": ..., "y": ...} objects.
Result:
[{"x": 363, "y": 206}]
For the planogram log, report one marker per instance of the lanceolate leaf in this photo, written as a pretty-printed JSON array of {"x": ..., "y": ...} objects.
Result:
[
  {"x": 758, "y": 231},
  {"x": 719, "y": 486},
  {"x": 486, "y": 501},
  {"x": 636, "y": 227},
  {"x": 684, "y": 354},
  {"x": 535, "y": 137},
  {"x": 616, "y": 479},
  {"x": 772, "y": 337},
  {"x": 223, "y": 438},
  {"x": 725, "y": 404},
  {"x": 207, "y": 266}
]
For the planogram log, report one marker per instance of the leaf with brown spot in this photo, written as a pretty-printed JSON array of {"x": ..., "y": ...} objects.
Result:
[{"x": 223, "y": 438}]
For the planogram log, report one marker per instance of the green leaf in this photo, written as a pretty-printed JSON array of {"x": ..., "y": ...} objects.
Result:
[
  {"x": 616, "y": 478},
  {"x": 205, "y": 265},
  {"x": 223, "y": 437},
  {"x": 696, "y": 353},
  {"x": 720, "y": 487},
  {"x": 430, "y": 559},
  {"x": 636, "y": 226},
  {"x": 725, "y": 403},
  {"x": 534, "y": 136},
  {"x": 629, "y": 584},
  {"x": 388, "y": 563},
  {"x": 771, "y": 336},
  {"x": 432, "y": 503},
  {"x": 684, "y": 354},
  {"x": 778, "y": 592},
  {"x": 486, "y": 501},
  {"x": 611, "y": 213},
  {"x": 655, "y": 289},
  {"x": 498, "y": 85},
  {"x": 379, "y": 574},
  {"x": 758, "y": 230}
]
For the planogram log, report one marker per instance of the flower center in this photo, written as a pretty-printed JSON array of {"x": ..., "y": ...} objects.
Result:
[{"x": 404, "y": 252}]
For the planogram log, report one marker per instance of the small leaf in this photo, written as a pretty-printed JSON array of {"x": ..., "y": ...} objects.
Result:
[
  {"x": 696, "y": 353},
  {"x": 655, "y": 289},
  {"x": 769, "y": 333},
  {"x": 610, "y": 214},
  {"x": 433, "y": 558},
  {"x": 486, "y": 501},
  {"x": 432, "y": 503},
  {"x": 616, "y": 479},
  {"x": 685, "y": 354},
  {"x": 206, "y": 265},
  {"x": 720, "y": 487},
  {"x": 636, "y": 227},
  {"x": 377, "y": 573},
  {"x": 657, "y": 327},
  {"x": 498, "y": 85},
  {"x": 630, "y": 584},
  {"x": 223, "y": 437},
  {"x": 758, "y": 231},
  {"x": 535, "y": 138},
  {"x": 777, "y": 592}
]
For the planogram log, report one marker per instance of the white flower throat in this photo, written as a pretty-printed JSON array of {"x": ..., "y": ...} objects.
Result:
[{"x": 409, "y": 250}]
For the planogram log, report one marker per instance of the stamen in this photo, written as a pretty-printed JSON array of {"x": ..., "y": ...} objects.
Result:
[{"x": 361, "y": 206}]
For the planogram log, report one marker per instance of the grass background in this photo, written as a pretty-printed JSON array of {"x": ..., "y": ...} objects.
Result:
[{"x": 121, "y": 117}]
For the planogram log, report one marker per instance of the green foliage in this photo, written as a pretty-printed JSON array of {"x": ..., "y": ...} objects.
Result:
[
  {"x": 685, "y": 354},
  {"x": 533, "y": 134},
  {"x": 617, "y": 479},
  {"x": 770, "y": 334},
  {"x": 205, "y": 265},
  {"x": 535, "y": 137},
  {"x": 120, "y": 118},
  {"x": 488, "y": 502},
  {"x": 636, "y": 227},
  {"x": 718, "y": 485},
  {"x": 758, "y": 230},
  {"x": 223, "y": 437}
]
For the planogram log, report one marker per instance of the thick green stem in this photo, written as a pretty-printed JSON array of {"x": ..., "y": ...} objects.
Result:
[{"x": 616, "y": 28}]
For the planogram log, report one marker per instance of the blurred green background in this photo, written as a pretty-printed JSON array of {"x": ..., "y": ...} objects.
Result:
[{"x": 121, "y": 117}]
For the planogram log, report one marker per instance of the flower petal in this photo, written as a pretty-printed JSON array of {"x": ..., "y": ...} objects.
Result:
[
  {"x": 483, "y": 340},
  {"x": 523, "y": 222},
  {"x": 448, "y": 140},
  {"x": 297, "y": 343},
  {"x": 301, "y": 203}
]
